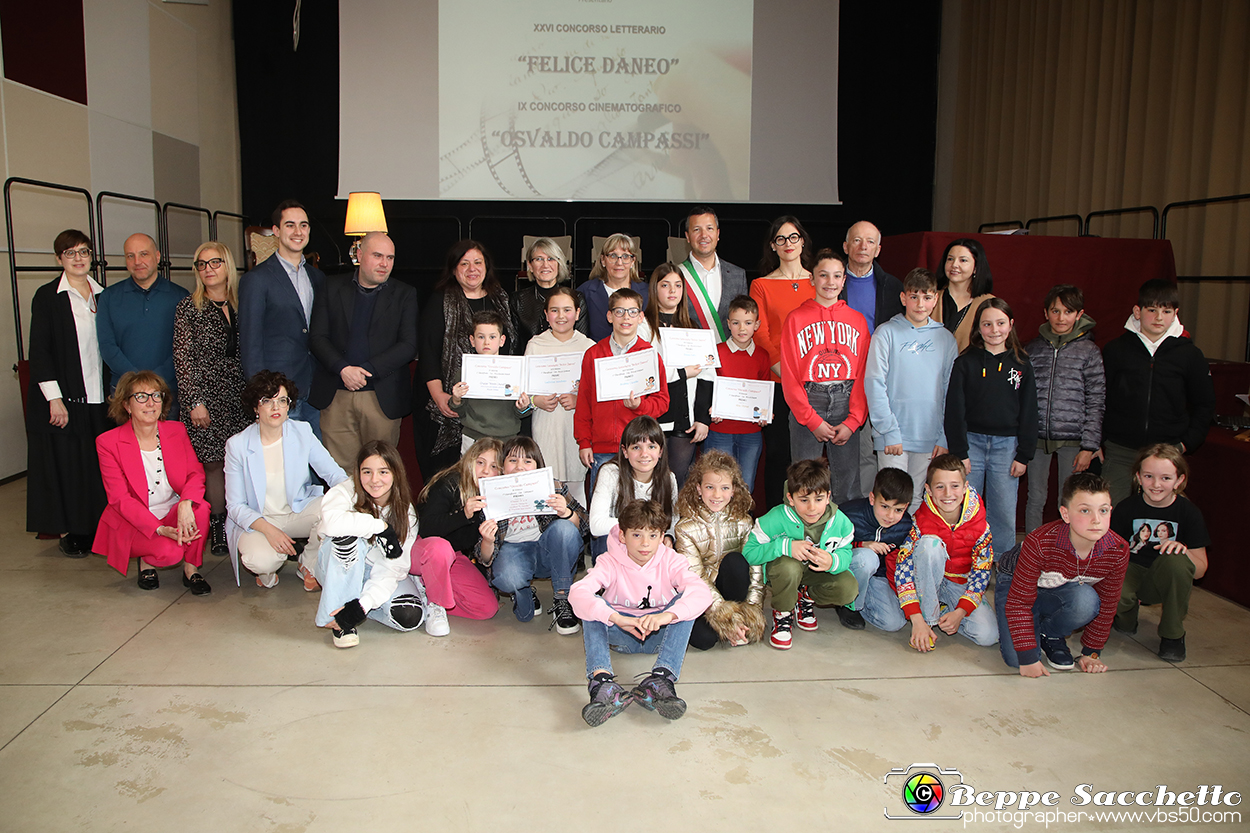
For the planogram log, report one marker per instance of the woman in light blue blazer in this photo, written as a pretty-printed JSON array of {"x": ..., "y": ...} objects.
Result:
[{"x": 270, "y": 497}]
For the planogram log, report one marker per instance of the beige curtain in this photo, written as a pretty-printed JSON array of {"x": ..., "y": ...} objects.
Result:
[{"x": 1055, "y": 107}]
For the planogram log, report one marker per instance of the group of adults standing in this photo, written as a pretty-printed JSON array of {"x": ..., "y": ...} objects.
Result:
[{"x": 344, "y": 345}]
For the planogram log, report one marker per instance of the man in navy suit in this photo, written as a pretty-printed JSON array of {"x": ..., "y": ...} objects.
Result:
[
  {"x": 275, "y": 310},
  {"x": 364, "y": 334}
]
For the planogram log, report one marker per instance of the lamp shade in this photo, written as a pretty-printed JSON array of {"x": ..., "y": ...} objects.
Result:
[{"x": 364, "y": 213}]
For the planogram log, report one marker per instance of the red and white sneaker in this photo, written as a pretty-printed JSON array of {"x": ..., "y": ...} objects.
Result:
[
  {"x": 805, "y": 611},
  {"x": 781, "y": 637}
]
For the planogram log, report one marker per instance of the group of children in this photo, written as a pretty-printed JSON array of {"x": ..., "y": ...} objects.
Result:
[{"x": 678, "y": 558}]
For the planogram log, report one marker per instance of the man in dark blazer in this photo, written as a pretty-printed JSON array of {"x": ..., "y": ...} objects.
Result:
[
  {"x": 364, "y": 334},
  {"x": 878, "y": 296},
  {"x": 275, "y": 309},
  {"x": 711, "y": 283}
]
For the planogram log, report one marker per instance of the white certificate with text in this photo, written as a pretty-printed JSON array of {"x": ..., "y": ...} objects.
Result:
[
  {"x": 514, "y": 495},
  {"x": 684, "y": 347},
  {"x": 616, "y": 377},
  {"x": 748, "y": 400},
  {"x": 552, "y": 374},
  {"x": 492, "y": 377}
]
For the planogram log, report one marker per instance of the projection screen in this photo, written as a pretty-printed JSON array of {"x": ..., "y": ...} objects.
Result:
[{"x": 614, "y": 100}]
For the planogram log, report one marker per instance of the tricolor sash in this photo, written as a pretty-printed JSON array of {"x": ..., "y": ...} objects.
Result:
[{"x": 704, "y": 309}]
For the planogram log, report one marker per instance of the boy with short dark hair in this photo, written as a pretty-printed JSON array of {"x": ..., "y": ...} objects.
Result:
[
  {"x": 908, "y": 371},
  {"x": 597, "y": 426},
  {"x": 641, "y": 597},
  {"x": 1159, "y": 387},
  {"x": 1067, "y": 577},
  {"x": 1071, "y": 392},
  {"x": 740, "y": 358},
  {"x": 881, "y": 523},
  {"x": 499, "y": 418},
  {"x": 805, "y": 547},
  {"x": 942, "y": 570}
]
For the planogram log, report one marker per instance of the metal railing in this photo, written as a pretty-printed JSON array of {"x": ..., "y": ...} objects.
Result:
[
  {"x": 102, "y": 269},
  {"x": 1080, "y": 224},
  {"x": 1109, "y": 212},
  {"x": 1017, "y": 223},
  {"x": 14, "y": 269}
]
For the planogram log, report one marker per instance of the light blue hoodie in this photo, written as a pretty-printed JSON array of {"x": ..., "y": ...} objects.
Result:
[{"x": 908, "y": 370}]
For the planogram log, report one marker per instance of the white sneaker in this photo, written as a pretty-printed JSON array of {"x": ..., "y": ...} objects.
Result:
[
  {"x": 436, "y": 620},
  {"x": 267, "y": 580},
  {"x": 345, "y": 639}
]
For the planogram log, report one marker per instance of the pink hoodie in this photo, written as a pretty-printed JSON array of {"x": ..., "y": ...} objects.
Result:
[{"x": 625, "y": 584}]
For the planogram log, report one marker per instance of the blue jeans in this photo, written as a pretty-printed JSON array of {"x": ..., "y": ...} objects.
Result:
[
  {"x": 936, "y": 593},
  {"x": 991, "y": 459},
  {"x": 1057, "y": 612},
  {"x": 832, "y": 403},
  {"x": 864, "y": 562},
  {"x": 745, "y": 448},
  {"x": 599, "y": 543},
  {"x": 301, "y": 410},
  {"x": 553, "y": 554},
  {"x": 343, "y": 576},
  {"x": 669, "y": 642}
]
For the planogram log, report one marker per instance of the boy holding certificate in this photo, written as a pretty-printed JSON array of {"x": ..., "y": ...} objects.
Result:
[
  {"x": 741, "y": 358},
  {"x": 499, "y": 418},
  {"x": 597, "y": 426}
]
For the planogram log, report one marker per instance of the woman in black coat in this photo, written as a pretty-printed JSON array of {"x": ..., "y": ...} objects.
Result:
[{"x": 65, "y": 405}]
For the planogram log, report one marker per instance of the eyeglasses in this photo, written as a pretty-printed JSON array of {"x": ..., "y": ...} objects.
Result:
[
  {"x": 74, "y": 254},
  {"x": 216, "y": 263},
  {"x": 141, "y": 397},
  {"x": 279, "y": 401},
  {"x": 543, "y": 259},
  {"x": 626, "y": 312},
  {"x": 782, "y": 239},
  {"x": 620, "y": 258}
]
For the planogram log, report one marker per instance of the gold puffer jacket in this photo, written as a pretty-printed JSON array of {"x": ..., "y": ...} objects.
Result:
[{"x": 704, "y": 540}]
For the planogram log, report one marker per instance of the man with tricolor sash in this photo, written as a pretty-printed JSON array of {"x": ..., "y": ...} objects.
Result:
[{"x": 711, "y": 283}]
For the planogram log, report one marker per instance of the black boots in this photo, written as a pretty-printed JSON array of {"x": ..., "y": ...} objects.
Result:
[{"x": 217, "y": 534}]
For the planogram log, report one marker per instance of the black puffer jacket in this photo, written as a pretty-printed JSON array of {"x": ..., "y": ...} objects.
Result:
[{"x": 1071, "y": 387}]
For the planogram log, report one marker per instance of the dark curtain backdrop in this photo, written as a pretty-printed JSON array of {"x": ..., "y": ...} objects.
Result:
[{"x": 288, "y": 125}]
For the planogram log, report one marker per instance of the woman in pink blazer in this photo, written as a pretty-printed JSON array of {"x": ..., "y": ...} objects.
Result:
[{"x": 155, "y": 485}]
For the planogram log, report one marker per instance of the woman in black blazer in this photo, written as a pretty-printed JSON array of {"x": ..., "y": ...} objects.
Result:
[{"x": 65, "y": 406}]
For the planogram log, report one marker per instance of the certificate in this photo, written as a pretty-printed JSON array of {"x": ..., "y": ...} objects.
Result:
[
  {"x": 683, "y": 347},
  {"x": 492, "y": 377},
  {"x": 553, "y": 374},
  {"x": 616, "y": 377},
  {"x": 513, "y": 495},
  {"x": 743, "y": 399}
]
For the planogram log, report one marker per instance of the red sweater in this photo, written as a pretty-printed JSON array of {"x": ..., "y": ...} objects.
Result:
[
  {"x": 824, "y": 344},
  {"x": 599, "y": 425},
  {"x": 1048, "y": 559},
  {"x": 740, "y": 365}
]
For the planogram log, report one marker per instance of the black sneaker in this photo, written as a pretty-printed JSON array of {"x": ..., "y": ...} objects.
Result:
[
  {"x": 563, "y": 619},
  {"x": 849, "y": 618},
  {"x": 519, "y": 600},
  {"x": 1172, "y": 650},
  {"x": 658, "y": 694},
  {"x": 607, "y": 700},
  {"x": 1057, "y": 654}
]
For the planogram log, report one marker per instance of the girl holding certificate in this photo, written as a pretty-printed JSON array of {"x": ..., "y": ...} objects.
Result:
[
  {"x": 686, "y": 422},
  {"x": 553, "y": 414},
  {"x": 450, "y": 510}
]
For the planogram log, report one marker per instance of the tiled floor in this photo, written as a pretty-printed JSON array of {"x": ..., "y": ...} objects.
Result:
[{"x": 161, "y": 711}]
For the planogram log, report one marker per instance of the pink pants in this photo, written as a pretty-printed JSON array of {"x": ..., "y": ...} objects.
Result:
[
  {"x": 160, "y": 551},
  {"x": 451, "y": 580}
]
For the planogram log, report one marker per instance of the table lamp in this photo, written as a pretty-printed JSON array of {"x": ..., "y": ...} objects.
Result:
[{"x": 364, "y": 214}]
